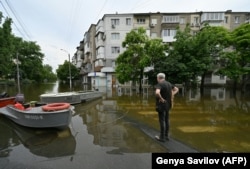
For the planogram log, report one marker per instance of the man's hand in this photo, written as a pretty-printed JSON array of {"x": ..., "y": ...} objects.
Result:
[{"x": 162, "y": 100}]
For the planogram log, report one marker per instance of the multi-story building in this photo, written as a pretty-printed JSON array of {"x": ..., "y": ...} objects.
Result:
[
  {"x": 110, "y": 32},
  {"x": 86, "y": 55},
  {"x": 102, "y": 43}
]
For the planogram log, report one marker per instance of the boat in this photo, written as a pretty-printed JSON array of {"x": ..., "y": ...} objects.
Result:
[
  {"x": 5, "y": 99},
  {"x": 55, "y": 115},
  {"x": 70, "y": 97}
]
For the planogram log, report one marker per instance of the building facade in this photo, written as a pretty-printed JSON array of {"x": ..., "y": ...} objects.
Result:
[{"x": 102, "y": 43}]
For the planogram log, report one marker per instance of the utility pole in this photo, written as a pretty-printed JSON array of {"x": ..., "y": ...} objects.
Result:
[
  {"x": 18, "y": 76},
  {"x": 70, "y": 78}
]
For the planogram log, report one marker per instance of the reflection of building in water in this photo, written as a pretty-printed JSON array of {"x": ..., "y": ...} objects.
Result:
[
  {"x": 215, "y": 94},
  {"x": 105, "y": 122},
  {"x": 102, "y": 123},
  {"x": 218, "y": 98},
  {"x": 218, "y": 94},
  {"x": 194, "y": 94}
]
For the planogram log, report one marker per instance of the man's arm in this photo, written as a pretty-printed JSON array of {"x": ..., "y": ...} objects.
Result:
[
  {"x": 158, "y": 94},
  {"x": 175, "y": 90}
]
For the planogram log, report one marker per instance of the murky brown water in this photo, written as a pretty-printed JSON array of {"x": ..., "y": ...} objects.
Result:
[{"x": 218, "y": 123}]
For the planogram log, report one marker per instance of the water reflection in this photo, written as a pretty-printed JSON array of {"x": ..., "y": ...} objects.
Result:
[
  {"x": 219, "y": 121},
  {"x": 219, "y": 99},
  {"x": 40, "y": 142},
  {"x": 105, "y": 121}
]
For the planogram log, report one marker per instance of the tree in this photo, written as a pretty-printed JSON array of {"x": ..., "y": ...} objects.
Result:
[
  {"x": 48, "y": 74},
  {"x": 208, "y": 45},
  {"x": 156, "y": 56},
  {"x": 141, "y": 52},
  {"x": 181, "y": 65},
  {"x": 31, "y": 60},
  {"x": 29, "y": 54},
  {"x": 63, "y": 71},
  {"x": 237, "y": 57},
  {"x": 6, "y": 47}
]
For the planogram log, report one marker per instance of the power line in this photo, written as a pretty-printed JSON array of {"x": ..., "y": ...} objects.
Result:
[
  {"x": 73, "y": 17},
  {"x": 141, "y": 5},
  {"x": 17, "y": 18},
  {"x": 105, "y": 2},
  {"x": 10, "y": 17}
]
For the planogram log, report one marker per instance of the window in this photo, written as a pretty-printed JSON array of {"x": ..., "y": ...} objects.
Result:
[
  {"x": 170, "y": 19},
  {"x": 153, "y": 35},
  {"x": 141, "y": 21},
  {"x": 113, "y": 63},
  {"x": 115, "y": 49},
  {"x": 226, "y": 19},
  {"x": 182, "y": 20},
  {"x": 115, "y": 21},
  {"x": 169, "y": 32},
  {"x": 115, "y": 36},
  {"x": 212, "y": 16},
  {"x": 128, "y": 21},
  {"x": 236, "y": 19},
  {"x": 154, "y": 21},
  {"x": 196, "y": 20},
  {"x": 221, "y": 94}
]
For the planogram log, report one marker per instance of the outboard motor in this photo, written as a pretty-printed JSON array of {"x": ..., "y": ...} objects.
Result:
[
  {"x": 4, "y": 94},
  {"x": 20, "y": 98}
]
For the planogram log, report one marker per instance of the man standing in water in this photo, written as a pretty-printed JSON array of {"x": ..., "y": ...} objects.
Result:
[{"x": 164, "y": 94}]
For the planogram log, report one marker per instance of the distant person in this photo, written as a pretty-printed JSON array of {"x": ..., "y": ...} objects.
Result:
[{"x": 164, "y": 98}]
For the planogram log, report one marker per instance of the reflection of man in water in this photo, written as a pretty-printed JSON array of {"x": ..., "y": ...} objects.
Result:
[{"x": 164, "y": 94}]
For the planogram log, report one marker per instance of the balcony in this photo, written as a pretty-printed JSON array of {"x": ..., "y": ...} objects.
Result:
[
  {"x": 99, "y": 43},
  {"x": 170, "y": 19},
  {"x": 86, "y": 69},
  {"x": 100, "y": 56},
  {"x": 99, "y": 27},
  {"x": 99, "y": 64},
  {"x": 86, "y": 49},
  {"x": 212, "y": 17},
  {"x": 168, "y": 39}
]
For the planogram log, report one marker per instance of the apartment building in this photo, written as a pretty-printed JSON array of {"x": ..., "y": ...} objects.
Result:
[
  {"x": 110, "y": 32},
  {"x": 102, "y": 43}
]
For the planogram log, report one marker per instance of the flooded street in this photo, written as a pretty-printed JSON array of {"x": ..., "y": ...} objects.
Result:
[{"x": 117, "y": 131}]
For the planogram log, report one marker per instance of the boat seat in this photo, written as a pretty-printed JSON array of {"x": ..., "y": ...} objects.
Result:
[{"x": 4, "y": 94}]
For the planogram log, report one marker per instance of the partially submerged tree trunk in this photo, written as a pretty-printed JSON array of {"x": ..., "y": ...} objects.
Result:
[
  {"x": 140, "y": 81},
  {"x": 202, "y": 84},
  {"x": 234, "y": 87}
]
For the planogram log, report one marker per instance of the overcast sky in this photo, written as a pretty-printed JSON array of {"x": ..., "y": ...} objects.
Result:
[{"x": 61, "y": 24}]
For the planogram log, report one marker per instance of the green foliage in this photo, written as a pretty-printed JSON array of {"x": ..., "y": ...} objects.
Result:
[
  {"x": 194, "y": 55},
  {"x": 6, "y": 47},
  {"x": 130, "y": 64},
  {"x": 181, "y": 64},
  {"x": 49, "y": 76},
  {"x": 63, "y": 71},
  {"x": 140, "y": 53},
  {"x": 237, "y": 61},
  {"x": 29, "y": 55}
]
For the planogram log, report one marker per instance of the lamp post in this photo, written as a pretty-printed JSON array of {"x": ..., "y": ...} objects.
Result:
[{"x": 70, "y": 82}]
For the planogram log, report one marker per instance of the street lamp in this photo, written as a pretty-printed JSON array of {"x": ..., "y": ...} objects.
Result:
[{"x": 70, "y": 83}]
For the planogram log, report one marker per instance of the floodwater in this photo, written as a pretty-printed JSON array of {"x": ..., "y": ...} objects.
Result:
[{"x": 107, "y": 132}]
